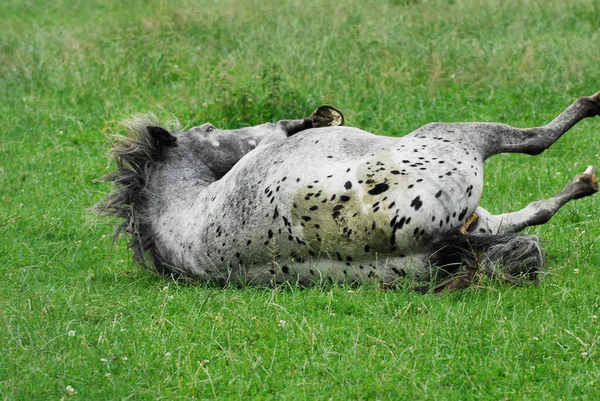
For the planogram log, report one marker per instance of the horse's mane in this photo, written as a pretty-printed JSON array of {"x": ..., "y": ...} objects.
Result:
[{"x": 136, "y": 154}]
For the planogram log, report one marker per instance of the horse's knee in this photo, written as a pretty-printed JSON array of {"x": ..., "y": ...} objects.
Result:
[{"x": 292, "y": 127}]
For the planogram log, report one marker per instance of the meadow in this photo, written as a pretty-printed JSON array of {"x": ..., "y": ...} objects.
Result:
[{"x": 78, "y": 320}]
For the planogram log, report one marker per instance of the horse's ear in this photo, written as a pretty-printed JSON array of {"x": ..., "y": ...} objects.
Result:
[{"x": 161, "y": 135}]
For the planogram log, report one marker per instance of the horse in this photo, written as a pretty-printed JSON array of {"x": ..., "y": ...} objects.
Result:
[{"x": 314, "y": 201}]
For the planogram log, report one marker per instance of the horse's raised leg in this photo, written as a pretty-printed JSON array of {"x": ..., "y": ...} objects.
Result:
[
  {"x": 536, "y": 213},
  {"x": 323, "y": 116},
  {"x": 500, "y": 138}
]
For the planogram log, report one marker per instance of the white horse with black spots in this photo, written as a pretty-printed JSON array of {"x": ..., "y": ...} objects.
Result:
[{"x": 313, "y": 201}]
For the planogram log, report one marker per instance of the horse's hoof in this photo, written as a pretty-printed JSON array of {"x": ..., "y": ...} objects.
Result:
[
  {"x": 588, "y": 179},
  {"x": 327, "y": 116}
]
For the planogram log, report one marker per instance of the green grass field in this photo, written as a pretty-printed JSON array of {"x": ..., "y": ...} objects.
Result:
[{"x": 78, "y": 321}]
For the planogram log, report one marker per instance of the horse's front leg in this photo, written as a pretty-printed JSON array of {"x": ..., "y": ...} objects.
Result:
[
  {"x": 323, "y": 116},
  {"x": 536, "y": 213}
]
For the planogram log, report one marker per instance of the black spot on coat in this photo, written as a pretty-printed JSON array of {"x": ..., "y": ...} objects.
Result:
[
  {"x": 416, "y": 203},
  {"x": 379, "y": 188}
]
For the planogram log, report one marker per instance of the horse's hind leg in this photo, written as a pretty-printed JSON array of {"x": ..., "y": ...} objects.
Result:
[
  {"x": 488, "y": 248},
  {"x": 499, "y": 138},
  {"x": 536, "y": 213}
]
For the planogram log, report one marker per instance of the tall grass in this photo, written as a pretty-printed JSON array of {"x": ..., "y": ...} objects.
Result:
[{"x": 75, "y": 312}]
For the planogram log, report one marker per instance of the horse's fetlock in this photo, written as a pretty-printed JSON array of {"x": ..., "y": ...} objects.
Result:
[{"x": 591, "y": 104}]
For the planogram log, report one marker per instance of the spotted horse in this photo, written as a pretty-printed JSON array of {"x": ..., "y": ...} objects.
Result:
[{"x": 313, "y": 201}]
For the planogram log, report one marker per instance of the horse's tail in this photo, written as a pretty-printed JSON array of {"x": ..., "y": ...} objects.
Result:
[
  {"x": 513, "y": 258},
  {"x": 136, "y": 154}
]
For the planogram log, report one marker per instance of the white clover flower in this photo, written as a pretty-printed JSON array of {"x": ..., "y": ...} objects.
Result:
[
  {"x": 72, "y": 333},
  {"x": 103, "y": 360},
  {"x": 282, "y": 323},
  {"x": 584, "y": 354},
  {"x": 576, "y": 271},
  {"x": 71, "y": 390},
  {"x": 168, "y": 355}
]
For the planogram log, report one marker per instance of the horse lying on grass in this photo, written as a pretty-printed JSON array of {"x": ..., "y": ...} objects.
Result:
[{"x": 312, "y": 201}]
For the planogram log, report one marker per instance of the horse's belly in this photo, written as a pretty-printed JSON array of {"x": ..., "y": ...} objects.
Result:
[
  {"x": 386, "y": 201},
  {"x": 385, "y": 217},
  {"x": 351, "y": 200}
]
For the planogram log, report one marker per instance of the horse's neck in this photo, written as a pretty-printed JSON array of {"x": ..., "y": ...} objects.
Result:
[
  {"x": 188, "y": 190},
  {"x": 176, "y": 215}
]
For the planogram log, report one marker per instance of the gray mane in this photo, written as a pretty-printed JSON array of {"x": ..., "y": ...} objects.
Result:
[{"x": 136, "y": 155}]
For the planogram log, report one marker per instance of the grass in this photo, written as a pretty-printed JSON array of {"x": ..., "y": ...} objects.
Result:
[{"x": 75, "y": 312}]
